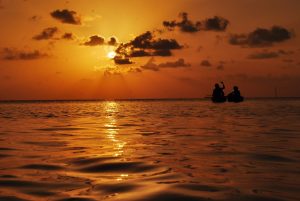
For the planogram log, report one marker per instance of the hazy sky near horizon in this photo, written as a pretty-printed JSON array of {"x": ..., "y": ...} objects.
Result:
[{"x": 87, "y": 49}]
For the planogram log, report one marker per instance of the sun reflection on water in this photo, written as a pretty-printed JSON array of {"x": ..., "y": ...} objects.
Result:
[
  {"x": 112, "y": 131},
  {"x": 122, "y": 177}
]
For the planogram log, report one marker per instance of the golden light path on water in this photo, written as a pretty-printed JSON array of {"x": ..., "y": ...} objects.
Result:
[{"x": 111, "y": 108}]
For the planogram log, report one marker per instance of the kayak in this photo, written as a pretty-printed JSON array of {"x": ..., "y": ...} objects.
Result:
[
  {"x": 235, "y": 99},
  {"x": 218, "y": 100}
]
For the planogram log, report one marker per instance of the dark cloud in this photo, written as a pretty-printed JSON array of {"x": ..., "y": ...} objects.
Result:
[
  {"x": 162, "y": 53},
  {"x": 46, "y": 34},
  {"x": 14, "y": 54},
  {"x": 263, "y": 55},
  {"x": 66, "y": 16},
  {"x": 147, "y": 44},
  {"x": 150, "y": 65},
  {"x": 186, "y": 25},
  {"x": 205, "y": 63},
  {"x": 147, "y": 41},
  {"x": 94, "y": 41},
  {"x": 215, "y": 23},
  {"x": 139, "y": 53},
  {"x": 122, "y": 60},
  {"x": 261, "y": 37},
  {"x": 99, "y": 40},
  {"x": 112, "y": 41},
  {"x": 68, "y": 36}
]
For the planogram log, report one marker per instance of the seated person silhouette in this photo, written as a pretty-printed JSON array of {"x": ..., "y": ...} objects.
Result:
[
  {"x": 235, "y": 95},
  {"x": 218, "y": 94}
]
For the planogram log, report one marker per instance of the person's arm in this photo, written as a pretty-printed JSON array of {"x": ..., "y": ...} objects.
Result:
[{"x": 223, "y": 87}]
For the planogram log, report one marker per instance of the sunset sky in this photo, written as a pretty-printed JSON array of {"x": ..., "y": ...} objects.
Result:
[{"x": 91, "y": 49}]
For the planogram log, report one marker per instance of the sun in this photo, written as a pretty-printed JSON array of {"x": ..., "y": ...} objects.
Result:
[{"x": 111, "y": 54}]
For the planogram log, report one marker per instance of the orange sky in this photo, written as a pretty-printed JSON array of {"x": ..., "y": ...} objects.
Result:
[{"x": 38, "y": 60}]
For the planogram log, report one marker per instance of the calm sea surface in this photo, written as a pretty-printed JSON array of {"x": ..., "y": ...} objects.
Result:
[{"x": 150, "y": 151}]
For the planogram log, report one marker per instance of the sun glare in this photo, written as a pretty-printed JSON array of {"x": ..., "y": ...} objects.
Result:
[{"x": 111, "y": 54}]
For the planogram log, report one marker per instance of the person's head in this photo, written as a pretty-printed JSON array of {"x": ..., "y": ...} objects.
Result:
[
  {"x": 235, "y": 88},
  {"x": 217, "y": 85}
]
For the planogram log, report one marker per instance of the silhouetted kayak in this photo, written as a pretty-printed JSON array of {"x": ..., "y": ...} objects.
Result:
[
  {"x": 218, "y": 100},
  {"x": 235, "y": 99},
  {"x": 228, "y": 98}
]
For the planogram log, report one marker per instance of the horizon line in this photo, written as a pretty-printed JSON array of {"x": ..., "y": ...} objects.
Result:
[{"x": 136, "y": 99}]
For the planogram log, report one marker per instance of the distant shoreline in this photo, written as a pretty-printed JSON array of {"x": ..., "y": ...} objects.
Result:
[{"x": 139, "y": 99}]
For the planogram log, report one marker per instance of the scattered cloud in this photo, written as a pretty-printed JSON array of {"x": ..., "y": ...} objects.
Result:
[
  {"x": 46, "y": 34},
  {"x": 162, "y": 53},
  {"x": 174, "y": 64},
  {"x": 112, "y": 41},
  {"x": 139, "y": 53},
  {"x": 68, "y": 36},
  {"x": 147, "y": 41},
  {"x": 263, "y": 55},
  {"x": 122, "y": 60},
  {"x": 261, "y": 37},
  {"x": 111, "y": 72},
  {"x": 285, "y": 52},
  {"x": 150, "y": 65},
  {"x": 66, "y": 16},
  {"x": 147, "y": 44},
  {"x": 99, "y": 40},
  {"x": 215, "y": 23},
  {"x": 14, "y": 54},
  {"x": 94, "y": 41},
  {"x": 205, "y": 63},
  {"x": 35, "y": 18},
  {"x": 134, "y": 70},
  {"x": 185, "y": 25}
]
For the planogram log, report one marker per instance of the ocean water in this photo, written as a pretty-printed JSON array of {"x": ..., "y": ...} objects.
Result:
[{"x": 184, "y": 150}]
